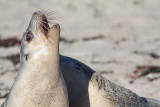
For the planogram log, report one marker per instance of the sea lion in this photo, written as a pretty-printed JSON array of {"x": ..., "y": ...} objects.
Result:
[
  {"x": 39, "y": 82},
  {"x": 87, "y": 88}
]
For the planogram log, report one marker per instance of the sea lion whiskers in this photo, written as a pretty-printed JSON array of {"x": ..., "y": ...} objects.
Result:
[
  {"x": 37, "y": 27},
  {"x": 38, "y": 30},
  {"x": 43, "y": 47},
  {"x": 45, "y": 34},
  {"x": 49, "y": 14},
  {"x": 42, "y": 23},
  {"x": 49, "y": 19}
]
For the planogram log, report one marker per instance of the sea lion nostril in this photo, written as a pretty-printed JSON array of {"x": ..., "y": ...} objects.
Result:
[{"x": 26, "y": 57}]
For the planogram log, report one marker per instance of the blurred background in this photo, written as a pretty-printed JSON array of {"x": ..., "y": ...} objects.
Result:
[{"x": 118, "y": 38}]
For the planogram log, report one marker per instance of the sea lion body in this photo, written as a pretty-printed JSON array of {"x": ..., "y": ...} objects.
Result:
[
  {"x": 87, "y": 88},
  {"x": 39, "y": 82}
]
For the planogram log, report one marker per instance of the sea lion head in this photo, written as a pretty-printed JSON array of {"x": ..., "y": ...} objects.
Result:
[{"x": 39, "y": 39}]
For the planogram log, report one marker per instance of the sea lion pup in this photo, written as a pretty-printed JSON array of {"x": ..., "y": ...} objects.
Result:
[{"x": 39, "y": 82}]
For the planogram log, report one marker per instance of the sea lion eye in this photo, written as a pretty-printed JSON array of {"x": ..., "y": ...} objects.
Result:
[{"x": 28, "y": 37}]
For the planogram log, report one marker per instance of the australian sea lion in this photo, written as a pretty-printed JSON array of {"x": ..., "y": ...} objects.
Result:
[
  {"x": 39, "y": 82},
  {"x": 87, "y": 88}
]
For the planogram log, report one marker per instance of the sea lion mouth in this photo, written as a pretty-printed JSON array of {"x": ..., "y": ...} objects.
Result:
[
  {"x": 40, "y": 21},
  {"x": 44, "y": 25}
]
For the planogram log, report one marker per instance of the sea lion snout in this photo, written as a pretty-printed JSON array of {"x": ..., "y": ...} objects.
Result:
[
  {"x": 37, "y": 13},
  {"x": 42, "y": 25},
  {"x": 39, "y": 22}
]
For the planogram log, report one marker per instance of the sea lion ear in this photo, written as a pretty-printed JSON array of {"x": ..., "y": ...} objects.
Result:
[{"x": 54, "y": 31}]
